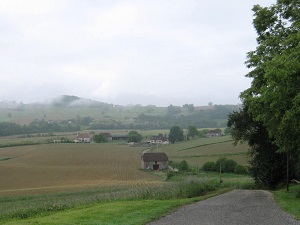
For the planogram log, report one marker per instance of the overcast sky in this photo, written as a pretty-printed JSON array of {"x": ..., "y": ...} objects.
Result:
[{"x": 158, "y": 52}]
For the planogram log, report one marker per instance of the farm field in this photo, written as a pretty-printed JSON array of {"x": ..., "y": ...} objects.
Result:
[
  {"x": 198, "y": 151},
  {"x": 67, "y": 167}
]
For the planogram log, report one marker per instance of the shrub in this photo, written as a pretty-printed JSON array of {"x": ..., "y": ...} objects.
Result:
[
  {"x": 196, "y": 188},
  {"x": 183, "y": 166},
  {"x": 170, "y": 174},
  {"x": 240, "y": 169},
  {"x": 209, "y": 166},
  {"x": 227, "y": 165}
]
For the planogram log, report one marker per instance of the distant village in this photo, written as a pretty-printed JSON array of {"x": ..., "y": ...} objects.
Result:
[{"x": 158, "y": 139}]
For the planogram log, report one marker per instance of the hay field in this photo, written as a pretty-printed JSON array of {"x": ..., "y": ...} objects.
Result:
[{"x": 67, "y": 167}]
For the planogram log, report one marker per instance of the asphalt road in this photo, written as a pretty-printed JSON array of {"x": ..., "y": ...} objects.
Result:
[{"x": 238, "y": 207}]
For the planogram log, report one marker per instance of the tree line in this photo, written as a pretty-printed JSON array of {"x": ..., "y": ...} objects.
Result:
[{"x": 37, "y": 126}]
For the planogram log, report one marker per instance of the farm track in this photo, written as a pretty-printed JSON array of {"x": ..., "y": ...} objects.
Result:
[{"x": 65, "y": 167}]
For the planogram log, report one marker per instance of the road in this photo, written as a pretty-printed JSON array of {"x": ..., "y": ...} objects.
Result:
[{"x": 238, "y": 207}]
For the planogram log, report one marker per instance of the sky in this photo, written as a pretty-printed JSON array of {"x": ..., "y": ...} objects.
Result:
[{"x": 148, "y": 52}]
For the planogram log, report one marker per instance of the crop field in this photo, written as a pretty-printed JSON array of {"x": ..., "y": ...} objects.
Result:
[
  {"x": 197, "y": 152},
  {"x": 67, "y": 167}
]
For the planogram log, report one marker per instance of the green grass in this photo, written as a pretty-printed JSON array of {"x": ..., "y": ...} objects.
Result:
[
  {"x": 5, "y": 158},
  {"x": 198, "y": 151},
  {"x": 121, "y": 212},
  {"x": 32, "y": 208},
  {"x": 288, "y": 200}
]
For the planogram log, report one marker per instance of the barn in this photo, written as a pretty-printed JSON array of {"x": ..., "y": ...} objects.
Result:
[{"x": 154, "y": 161}]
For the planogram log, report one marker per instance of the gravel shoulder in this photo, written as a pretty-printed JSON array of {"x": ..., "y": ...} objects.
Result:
[{"x": 238, "y": 207}]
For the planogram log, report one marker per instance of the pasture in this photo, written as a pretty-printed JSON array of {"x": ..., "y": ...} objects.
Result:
[{"x": 66, "y": 167}]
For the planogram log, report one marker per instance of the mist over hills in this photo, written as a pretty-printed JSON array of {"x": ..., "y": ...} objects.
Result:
[
  {"x": 72, "y": 113},
  {"x": 75, "y": 101}
]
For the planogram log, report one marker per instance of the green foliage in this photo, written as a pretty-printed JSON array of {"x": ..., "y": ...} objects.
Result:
[
  {"x": 192, "y": 131},
  {"x": 196, "y": 188},
  {"x": 273, "y": 100},
  {"x": 203, "y": 132},
  {"x": 99, "y": 138},
  {"x": 190, "y": 107},
  {"x": 176, "y": 134},
  {"x": 240, "y": 169},
  {"x": 267, "y": 166},
  {"x": 37, "y": 126},
  {"x": 173, "y": 109},
  {"x": 209, "y": 166},
  {"x": 134, "y": 136},
  {"x": 183, "y": 166},
  {"x": 227, "y": 166}
]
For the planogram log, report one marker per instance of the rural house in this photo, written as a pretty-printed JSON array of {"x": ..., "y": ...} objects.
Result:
[
  {"x": 155, "y": 161},
  {"x": 82, "y": 138},
  {"x": 214, "y": 133},
  {"x": 158, "y": 140}
]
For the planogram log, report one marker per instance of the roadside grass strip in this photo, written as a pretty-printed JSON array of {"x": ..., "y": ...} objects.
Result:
[
  {"x": 289, "y": 201},
  {"x": 129, "y": 212}
]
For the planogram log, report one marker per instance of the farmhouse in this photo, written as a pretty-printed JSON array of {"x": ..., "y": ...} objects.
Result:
[
  {"x": 214, "y": 133},
  {"x": 158, "y": 140},
  {"x": 82, "y": 138},
  {"x": 155, "y": 161}
]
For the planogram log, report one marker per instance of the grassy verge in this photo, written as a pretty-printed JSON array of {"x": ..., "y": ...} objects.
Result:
[
  {"x": 289, "y": 201},
  {"x": 29, "y": 207},
  {"x": 121, "y": 212}
]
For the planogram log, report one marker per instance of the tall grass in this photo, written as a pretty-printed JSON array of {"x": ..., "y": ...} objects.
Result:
[{"x": 37, "y": 205}]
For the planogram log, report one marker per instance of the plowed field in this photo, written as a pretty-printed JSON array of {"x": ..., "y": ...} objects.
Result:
[{"x": 64, "y": 167}]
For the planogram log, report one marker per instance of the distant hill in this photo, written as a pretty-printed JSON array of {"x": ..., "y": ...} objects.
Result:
[
  {"x": 68, "y": 112},
  {"x": 70, "y": 100}
]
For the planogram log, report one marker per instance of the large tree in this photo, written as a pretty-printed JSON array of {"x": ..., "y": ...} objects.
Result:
[
  {"x": 274, "y": 96},
  {"x": 176, "y": 134},
  {"x": 267, "y": 166},
  {"x": 273, "y": 100},
  {"x": 134, "y": 136}
]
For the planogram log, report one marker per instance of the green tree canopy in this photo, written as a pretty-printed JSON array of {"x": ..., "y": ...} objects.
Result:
[
  {"x": 192, "y": 131},
  {"x": 269, "y": 121},
  {"x": 99, "y": 138},
  {"x": 134, "y": 136},
  {"x": 176, "y": 134},
  {"x": 274, "y": 96}
]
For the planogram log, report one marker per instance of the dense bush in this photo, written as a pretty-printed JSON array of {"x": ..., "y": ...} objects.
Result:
[
  {"x": 240, "y": 169},
  {"x": 227, "y": 166},
  {"x": 181, "y": 166},
  {"x": 209, "y": 166}
]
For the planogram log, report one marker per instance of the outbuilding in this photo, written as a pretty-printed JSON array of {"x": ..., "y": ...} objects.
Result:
[{"x": 155, "y": 161}]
